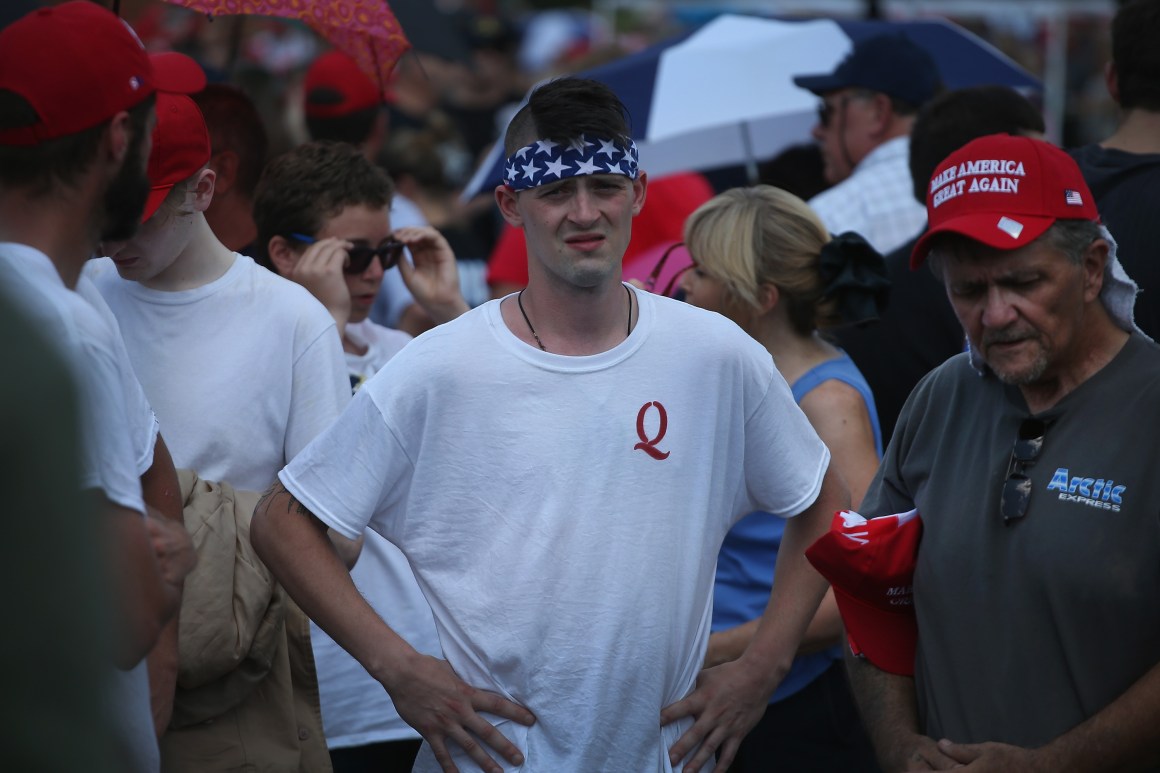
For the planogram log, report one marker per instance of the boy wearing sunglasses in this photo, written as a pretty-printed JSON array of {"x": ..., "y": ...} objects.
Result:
[{"x": 322, "y": 212}]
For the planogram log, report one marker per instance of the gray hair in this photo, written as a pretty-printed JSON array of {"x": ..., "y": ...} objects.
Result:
[{"x": 1071, "y": 237}]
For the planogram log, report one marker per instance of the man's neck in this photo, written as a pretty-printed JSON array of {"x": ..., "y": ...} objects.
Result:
[
  {"x": 49, "y": 224},
  {"x": 571, "y": 320},
  {"x": 203, "y": 260},
  {"x": 1098, "y": 346},
  {"x": 1139, "y": 132},
  {"x": 232, "y": 221}
]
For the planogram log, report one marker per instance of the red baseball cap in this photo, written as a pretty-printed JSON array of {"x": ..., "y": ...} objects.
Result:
[
  {"x": 870, "y": 565},
  {"x": 334, "y": 86},
  {"x": 76, "y": 64},
  {"x": 180, "y": 147},
  {"x": 1004, "y": 191},
  {"x": 177, "y": 73}
]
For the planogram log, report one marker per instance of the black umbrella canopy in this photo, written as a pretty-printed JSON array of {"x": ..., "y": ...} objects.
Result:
[{"x": 431, "y": 31}]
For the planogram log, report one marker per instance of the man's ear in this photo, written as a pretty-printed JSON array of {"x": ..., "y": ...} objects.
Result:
[
  {"x": 225, "y": 164},
  {"x": 203, "y": 189},
  {"x": 119, "y": 134},
  {"x": 282, "y": 255},
  {"x": 639, "y": 190},
  {"x": 1112, "y": 81},
  {"x": 505, "y": 198},
  {"x": 882, "y": 117},
  {"x": 1095, "y": 261}
]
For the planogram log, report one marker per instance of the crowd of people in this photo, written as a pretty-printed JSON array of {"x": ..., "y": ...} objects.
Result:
[{"x": 325, "y": 474}]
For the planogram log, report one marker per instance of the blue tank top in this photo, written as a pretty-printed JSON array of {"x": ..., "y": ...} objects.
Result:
[{"x": 745, "y": 564}]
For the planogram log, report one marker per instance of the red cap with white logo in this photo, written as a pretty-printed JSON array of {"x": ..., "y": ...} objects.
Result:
[
  {"x": 75, "y": 65},
  {"x": 1004, "y": 191},
  {"x": 870, "y": 565}
]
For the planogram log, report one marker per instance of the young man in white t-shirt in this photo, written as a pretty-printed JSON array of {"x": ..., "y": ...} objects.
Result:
[
  {"x": 560, "y": 469},
  {"x": 77, "y": 90},
  {"x": 241, "y": 366},
  {"x": 322, "y": 213},
  {"x": 243, "y": 369}
]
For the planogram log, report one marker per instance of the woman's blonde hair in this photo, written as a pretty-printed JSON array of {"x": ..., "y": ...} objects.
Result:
[{"x": 748, "y": 237}]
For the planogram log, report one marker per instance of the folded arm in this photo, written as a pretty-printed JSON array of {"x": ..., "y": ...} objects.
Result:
[{"x": 428, "y": 695}]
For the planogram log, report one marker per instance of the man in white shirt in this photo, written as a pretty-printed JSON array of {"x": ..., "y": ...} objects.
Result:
[
  {"x": 243, "y": 368},
  {"x": 76, "y": 89},
  {"x": 560, "y": 468},
  {"x": 868, "y": 105}
]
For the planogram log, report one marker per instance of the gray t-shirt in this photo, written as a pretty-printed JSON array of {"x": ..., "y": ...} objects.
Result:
[{"x": 1027, "y": 629}]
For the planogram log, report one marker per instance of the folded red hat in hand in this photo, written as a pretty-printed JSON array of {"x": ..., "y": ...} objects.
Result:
[{"x": 870, "y": 565}]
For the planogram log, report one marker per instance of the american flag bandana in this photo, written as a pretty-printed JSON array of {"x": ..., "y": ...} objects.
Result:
[{"x": 545, "y": 161}]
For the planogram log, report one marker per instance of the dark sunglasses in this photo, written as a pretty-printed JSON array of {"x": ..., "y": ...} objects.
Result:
[
  {"x": 360, "y": 256},
  {"x": 1017, "y": 486},
  {"x": 651, "y": 281},
  {"x": 826, "y": 111}
]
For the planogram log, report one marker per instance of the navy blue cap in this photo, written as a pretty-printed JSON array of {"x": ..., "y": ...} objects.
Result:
[{"x": 891, "y": 64}]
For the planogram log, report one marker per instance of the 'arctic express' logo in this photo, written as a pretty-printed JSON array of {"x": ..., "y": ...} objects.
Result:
[{"x": 1093, "y": 492}]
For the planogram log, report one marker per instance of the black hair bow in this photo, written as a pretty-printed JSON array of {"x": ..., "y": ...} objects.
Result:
[{"x": 854, "y": 274}]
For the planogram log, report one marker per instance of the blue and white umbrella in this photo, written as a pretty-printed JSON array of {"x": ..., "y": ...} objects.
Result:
[{"x": 724, "y": 94}]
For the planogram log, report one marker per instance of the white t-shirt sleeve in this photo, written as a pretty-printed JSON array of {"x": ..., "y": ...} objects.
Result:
[
  {"x": 141, "y": 421},
  {"x": 108, "y": 459},
  {"x": 785, "y": 460},
  {"x": 353, "y": 470},
  {"x": 320, "y": 390}
]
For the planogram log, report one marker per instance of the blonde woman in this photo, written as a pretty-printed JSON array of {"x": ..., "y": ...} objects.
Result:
[{"x": 762, "y": 258}]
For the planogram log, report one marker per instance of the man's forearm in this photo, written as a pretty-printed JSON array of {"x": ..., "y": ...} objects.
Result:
[
  {"x": 292, "y": 542},
  {"x": 1120, "y": 737},
  {"x": 889, "y": 712}
]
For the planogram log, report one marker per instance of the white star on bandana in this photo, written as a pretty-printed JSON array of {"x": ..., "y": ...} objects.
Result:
[
  {"x": 556, "y": 167},
  {"x": 545, "y": 146},
  {"x": 579, "y": 144},
  {"x": 530, "y": 170},
  {"x": 615, "y": 168},
  {"x": 587, "y": 166},
  {"x": 607, "y": 147},
  {"x": 523, "y": 151}
]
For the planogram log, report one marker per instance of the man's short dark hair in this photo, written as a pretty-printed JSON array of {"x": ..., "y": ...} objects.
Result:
[
  {"x": 39, "y": 168},
  {"x": 235, "y": 124},
  {"x": 307, "y": 186},
  {"x": 955, "y": 118},
  {"x": 566, "y": 108},
  {"x": 1136, "y": 55}
]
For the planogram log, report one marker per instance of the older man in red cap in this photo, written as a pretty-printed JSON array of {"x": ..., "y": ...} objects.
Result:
[
  {"x": 76, "y": 103},
  {"x": 1032, "y": 458}
]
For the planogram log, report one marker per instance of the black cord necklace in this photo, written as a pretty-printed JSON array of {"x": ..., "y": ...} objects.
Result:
[{"x": 520, "y": 303}]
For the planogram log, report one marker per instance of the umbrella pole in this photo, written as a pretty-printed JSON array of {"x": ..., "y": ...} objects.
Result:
[{"x": 750, "y": 159}]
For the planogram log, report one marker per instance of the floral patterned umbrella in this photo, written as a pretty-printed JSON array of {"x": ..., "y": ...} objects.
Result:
[{"x": 367, "y": 30}]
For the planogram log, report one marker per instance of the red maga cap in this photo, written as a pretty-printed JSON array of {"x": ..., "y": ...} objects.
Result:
[
  {"x": 76, "y": 65},
  {"x": 180, "y": 147},
  {"x": 1004, "y": 191},
  {"x": 334, "y": 86},
  {"x": 870, "y": 565}
]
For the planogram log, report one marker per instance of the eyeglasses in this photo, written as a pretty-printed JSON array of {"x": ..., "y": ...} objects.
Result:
[
  {"x": 827, "y": 110},
  {"x": 651, "y": 281},
  {"x": 360, "y": 256},
  {"x": 1017, "y": 486}
]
